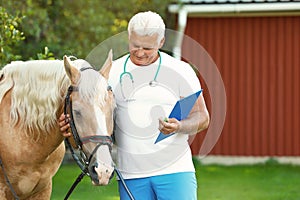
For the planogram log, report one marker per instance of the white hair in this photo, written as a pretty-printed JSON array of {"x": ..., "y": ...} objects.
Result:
[{"x": 147, "y": 23}]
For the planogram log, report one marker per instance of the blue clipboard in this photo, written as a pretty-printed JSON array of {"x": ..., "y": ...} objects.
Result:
[{"x": 180, "y": 111}]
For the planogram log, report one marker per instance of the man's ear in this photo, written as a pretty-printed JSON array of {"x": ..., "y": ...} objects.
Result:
[{"x": 161, "y": 44}]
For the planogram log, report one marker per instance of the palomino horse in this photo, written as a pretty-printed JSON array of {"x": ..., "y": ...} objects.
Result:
[{"x": 31, "y": 145}]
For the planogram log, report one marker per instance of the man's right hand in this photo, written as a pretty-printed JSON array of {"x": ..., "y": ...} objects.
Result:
[{"x": 63, "y": 123}]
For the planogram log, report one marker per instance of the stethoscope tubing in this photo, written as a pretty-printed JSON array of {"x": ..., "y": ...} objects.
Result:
[
  {"x": 125, "y": 72},
  {"x": 152, "y": 83}
]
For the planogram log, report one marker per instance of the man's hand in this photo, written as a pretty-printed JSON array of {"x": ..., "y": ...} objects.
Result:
[
  {"x": 63, "y": 123},
  {"x": 169, "y": 125}
]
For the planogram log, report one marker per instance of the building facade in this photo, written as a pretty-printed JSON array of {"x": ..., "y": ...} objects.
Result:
[{"x": 256, "y": 47}]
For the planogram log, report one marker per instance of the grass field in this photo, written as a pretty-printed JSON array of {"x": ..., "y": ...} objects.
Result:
[{"x": 270, "y": 181}]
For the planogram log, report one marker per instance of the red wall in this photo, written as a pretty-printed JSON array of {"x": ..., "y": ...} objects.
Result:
[{"x": 259, "y": 61}]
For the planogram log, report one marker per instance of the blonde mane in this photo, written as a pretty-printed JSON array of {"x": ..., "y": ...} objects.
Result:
[
  {"x": 38, "y": 90},
  {"x": 36, "y": 93}
]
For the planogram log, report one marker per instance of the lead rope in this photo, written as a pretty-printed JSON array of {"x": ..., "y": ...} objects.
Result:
[
  {"x": 124, "y": 184},
  {"x": 8, "y": 182},
  {"x": 75, "y": 157},
  {"x": 84, "y": 172},
  {"x": 79, "y": 178},
  {"x": 84, "y": 169}
]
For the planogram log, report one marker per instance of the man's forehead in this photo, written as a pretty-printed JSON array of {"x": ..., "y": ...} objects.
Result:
[{"x": 143, "y": 39}]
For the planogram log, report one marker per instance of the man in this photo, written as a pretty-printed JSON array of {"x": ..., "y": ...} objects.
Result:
[{"x": 146, "y": 84}]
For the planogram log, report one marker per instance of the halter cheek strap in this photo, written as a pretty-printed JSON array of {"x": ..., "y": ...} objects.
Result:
[{"x": 68, "y": 106}]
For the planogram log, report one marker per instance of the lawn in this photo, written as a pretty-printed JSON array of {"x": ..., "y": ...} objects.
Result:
[{"x": 270, "y": 181}]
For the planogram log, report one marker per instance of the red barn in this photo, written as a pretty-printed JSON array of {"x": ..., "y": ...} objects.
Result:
[{"x": 256, "y": 46}]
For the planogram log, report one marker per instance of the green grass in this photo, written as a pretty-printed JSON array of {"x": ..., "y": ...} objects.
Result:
[
  {"x": 269, "y": 181},
  {"x": 67, "y": 175},
  {"x": 257, "y": 182}
]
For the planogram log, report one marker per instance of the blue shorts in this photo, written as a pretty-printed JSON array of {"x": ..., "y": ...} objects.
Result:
[{"x": 181, "y": 186}]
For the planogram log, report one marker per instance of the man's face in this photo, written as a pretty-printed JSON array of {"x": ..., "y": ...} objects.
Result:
[{"x": 143, "y": 49}]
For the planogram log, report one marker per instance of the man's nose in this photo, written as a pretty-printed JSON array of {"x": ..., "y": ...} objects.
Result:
[{"x": 139, "y": 51}]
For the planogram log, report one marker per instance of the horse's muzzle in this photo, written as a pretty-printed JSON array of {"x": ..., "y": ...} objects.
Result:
[{"x": 101, "y": 174}]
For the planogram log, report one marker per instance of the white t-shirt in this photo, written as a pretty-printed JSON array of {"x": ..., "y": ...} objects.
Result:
[{"x": 139, "y": 106}]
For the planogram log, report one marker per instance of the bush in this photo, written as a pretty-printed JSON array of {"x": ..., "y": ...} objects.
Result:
[{"x": 10, "y": 36}]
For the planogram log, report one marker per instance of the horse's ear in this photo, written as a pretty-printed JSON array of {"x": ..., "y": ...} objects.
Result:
[
  {"x": 107, "y": 65},
  {"x": 72, "y": 72}
]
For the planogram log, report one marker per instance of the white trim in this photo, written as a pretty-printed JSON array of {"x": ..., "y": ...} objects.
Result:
[
  {"x": 248, "y": 160},
  {"x": 182, "y": 20},
  {"x": 236, "y": 8}
]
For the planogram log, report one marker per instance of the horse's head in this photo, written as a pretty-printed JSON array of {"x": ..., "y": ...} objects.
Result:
[{"x": 91, "y": 105}]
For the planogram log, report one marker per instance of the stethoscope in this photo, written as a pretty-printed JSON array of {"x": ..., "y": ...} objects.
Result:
[{"x": 152, "y": 83}]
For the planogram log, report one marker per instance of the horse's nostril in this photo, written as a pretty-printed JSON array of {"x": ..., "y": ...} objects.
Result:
[{"x": 93, "y": 173}]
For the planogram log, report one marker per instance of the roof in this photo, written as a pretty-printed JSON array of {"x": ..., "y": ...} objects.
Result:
[
  {"x": 191, "y": 2},
  {"x": 236, "y": 7}
]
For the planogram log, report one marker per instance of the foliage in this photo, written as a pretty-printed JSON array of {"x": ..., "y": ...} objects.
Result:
[
  {"x": 46, "y": 55},
  {"x": 74, "y": 27},
  {"x": 9, "y": 36}
]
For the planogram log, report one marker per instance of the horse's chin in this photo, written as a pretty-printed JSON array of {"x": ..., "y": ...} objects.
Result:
[
  {"x": 101, "y": 175},
  {"x": 100, "y": 184}
]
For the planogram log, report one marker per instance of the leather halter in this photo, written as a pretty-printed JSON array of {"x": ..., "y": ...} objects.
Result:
[
  {"x": 98, "y": 139},
  {"x": 84, "y": 161}
]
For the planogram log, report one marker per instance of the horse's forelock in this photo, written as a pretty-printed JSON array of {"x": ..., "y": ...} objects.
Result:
[
  {"x": 91, "y": 83},
  {"x": 93, "y": 87}
]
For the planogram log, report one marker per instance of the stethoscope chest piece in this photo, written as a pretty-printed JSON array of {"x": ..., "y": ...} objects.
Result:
[{"x": 153, "y": 83}]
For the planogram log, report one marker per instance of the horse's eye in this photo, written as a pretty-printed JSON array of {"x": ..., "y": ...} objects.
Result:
[{"x": 77, "y": 113}]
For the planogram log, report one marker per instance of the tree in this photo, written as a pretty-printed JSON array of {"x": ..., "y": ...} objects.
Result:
[
  {"x": 10, "y": 35},
  {"x": 74, "y": 27}
]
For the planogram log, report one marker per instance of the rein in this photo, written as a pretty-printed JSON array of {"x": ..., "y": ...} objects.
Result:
[
  {"x": 8, "y": 182},
  {"x": 84, "y": 161}
]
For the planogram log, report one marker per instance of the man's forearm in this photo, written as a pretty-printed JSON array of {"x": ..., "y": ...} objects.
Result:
[{"x": 196, "y": 122}]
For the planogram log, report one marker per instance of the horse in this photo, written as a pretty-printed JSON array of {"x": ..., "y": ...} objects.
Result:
[{"x": 31, "y": 144}]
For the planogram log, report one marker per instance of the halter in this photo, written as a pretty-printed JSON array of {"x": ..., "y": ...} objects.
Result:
[
  {"x": 84, "y": 161},
  {"x": 98, "y": 139}
]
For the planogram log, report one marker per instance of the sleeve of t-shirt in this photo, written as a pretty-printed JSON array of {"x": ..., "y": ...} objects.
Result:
[{"x": 190, "y": 83}]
